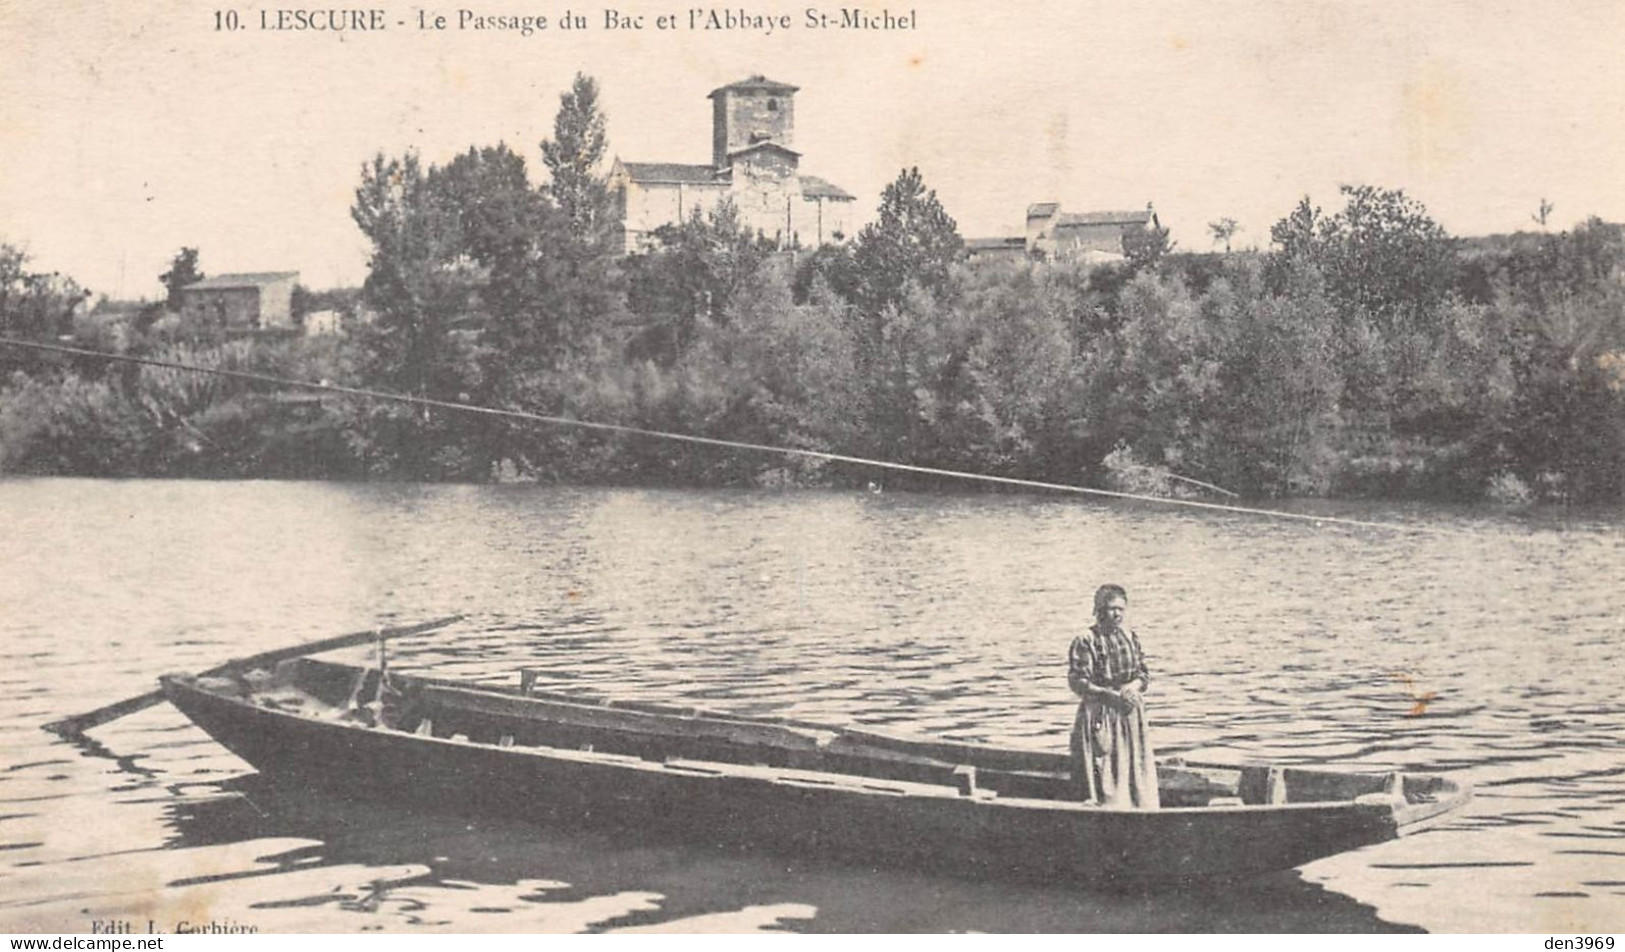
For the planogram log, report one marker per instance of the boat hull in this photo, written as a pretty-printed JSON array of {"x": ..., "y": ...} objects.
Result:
[{"x": 858, "y": 818}]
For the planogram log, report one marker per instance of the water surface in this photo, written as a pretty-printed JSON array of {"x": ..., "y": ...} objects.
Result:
[{"x": 1489, "y": 647}]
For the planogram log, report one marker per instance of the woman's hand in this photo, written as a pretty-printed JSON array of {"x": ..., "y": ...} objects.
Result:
[
  {"x": 1132, "y": 695},
  {"x": 1109, "y": 694}
]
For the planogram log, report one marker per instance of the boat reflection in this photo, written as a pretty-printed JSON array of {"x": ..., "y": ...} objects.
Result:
[{"x": 482, "y": 874}]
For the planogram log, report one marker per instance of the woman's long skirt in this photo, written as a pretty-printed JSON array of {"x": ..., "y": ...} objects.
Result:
[{"x": 1111, "y": 755}]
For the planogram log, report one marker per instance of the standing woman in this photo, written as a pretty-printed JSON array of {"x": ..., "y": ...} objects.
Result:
[{"x": 1111, "y": 754}]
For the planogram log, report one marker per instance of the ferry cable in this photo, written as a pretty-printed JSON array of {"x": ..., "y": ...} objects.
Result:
[{"x": 713, "y": 441}]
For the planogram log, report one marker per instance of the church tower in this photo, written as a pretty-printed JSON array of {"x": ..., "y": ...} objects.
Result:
[
  {"x": 749, "y": 113},
  {"x": 754, "y": 168}
]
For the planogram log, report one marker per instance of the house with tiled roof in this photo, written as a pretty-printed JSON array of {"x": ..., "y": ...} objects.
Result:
[
  {"x": 753, "y": 164},
  {"x": 996, "y": 249},
  {"x": 257, "y": 301},
  {"x": 1068, "y": 236},
  {"x": 1052, "y": 233}
]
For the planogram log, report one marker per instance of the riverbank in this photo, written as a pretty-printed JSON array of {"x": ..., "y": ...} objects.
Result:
[{"x": 1331, "y": 368}]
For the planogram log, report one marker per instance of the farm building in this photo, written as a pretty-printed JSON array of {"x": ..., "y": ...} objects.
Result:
[
  {"x": 1052, "y": 234},
  {"x": 996, "y": 249},
  {"x": 243, "y": 302}
]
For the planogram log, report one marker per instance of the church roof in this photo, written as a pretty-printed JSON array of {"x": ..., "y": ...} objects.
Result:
[
  {"x": 814, "y": 187},
  {"x": 756, "y": 82},
  {"x": 1043, "y": 209},
  {"x": 758, "y": 146},
  {"x": 671, "y": 172}
]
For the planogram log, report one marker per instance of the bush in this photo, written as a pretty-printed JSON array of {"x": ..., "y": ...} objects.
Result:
[
  {"x": 72, "y": 427},
  {"x": 1125, "y": 473},
  {"x": 1508, "y": 490}
]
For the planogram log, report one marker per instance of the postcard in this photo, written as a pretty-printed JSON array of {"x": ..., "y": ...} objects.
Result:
[{"x": 513, "y": 466}]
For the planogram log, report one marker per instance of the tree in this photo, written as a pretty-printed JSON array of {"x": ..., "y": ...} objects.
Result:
[
  {"x": 831, "y": 265},
  {"x": 420, "y": 288},
  {"x": 486, "y": 287},
  {"x": 511, "y": 234},
  {"x": 908, "y": 350},
  {"x": 1157, "y": 378},
  {"x": 1382, "y": 255},
  {"x": 911, "y": 367},
  {"x": 586, "y": 293},
  {"x": 692, "y": 275},
  {"x": 1566, "y": 313},
  {"x": 417, "y": 282},
  {"x": 1021, "y": 377},
  {"x": 1273, "y": 420},
  {"x": 70, "y": 426},
  {"x": 1145, "y": 245},
  {"x": 183, "y": 270},
  {"x": 1298, "y": 235},
  {"x": 1223, "y": 230},
  {"x": 1543, "y": 213},
  {"x": 913, "y": 239},
  {"x": 763, "y": 370},
  {"x": 1388, "y": 271},
  {"x": 1390, "y": 257},
  {"x": 580, "y": 142},
  {"x": 33, "y": 303}
]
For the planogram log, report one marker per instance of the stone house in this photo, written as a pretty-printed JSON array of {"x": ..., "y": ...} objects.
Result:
[
  {"x": 996, "y": 249},
  {"x": 1052, "y": 234},
  {"x": 242, "y": 302},
  {"x": 753, "y": 164}
]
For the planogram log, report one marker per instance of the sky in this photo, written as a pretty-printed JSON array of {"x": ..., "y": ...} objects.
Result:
[{"x": 131, "y": 129}]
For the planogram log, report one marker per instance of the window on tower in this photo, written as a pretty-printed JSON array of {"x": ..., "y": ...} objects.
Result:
[{"x": 772, "y": 105}]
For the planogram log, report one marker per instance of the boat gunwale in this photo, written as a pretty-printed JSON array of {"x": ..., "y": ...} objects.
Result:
[
  {"x": 1451, "y": 794},
  {"x": 593, "y": 705}
]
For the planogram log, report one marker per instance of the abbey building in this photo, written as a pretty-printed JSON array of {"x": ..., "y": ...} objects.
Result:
[{"x": 754, "y": 164}]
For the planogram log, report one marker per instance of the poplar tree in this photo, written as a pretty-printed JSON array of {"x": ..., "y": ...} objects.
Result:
[{"x": 573, "y": 157}]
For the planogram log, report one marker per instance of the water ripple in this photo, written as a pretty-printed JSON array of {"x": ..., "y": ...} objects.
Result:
[{"x": 1492, "y": 650}]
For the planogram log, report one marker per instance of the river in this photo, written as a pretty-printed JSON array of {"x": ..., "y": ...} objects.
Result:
[{"x": 1489, "y": 646}]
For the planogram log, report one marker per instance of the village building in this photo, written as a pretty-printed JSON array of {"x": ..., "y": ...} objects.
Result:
[
  {"x": 242, "y": 302},
  {"x": 1054, "y": 235},
  {"x": 753, "y": 164},
  {"x": 996, "y": 249},
  {"x": 323, "y": 323}
]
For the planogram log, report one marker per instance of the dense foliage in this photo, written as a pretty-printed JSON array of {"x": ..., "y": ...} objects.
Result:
[{"x": 1366, "y": 353}]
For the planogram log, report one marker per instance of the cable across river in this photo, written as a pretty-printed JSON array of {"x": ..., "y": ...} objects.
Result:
[{"x": 887, "y": 465}]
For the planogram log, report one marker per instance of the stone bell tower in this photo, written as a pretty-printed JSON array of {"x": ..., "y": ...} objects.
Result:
[{"x": 749, "y": 113}]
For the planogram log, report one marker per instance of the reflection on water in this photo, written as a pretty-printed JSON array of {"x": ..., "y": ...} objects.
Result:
[
  {"x": 1490, "y": 649},
  {"x": 659, "y": 882}
]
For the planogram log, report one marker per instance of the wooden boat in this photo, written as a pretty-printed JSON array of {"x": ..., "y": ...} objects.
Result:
[{"x": 966, "y": 809}]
